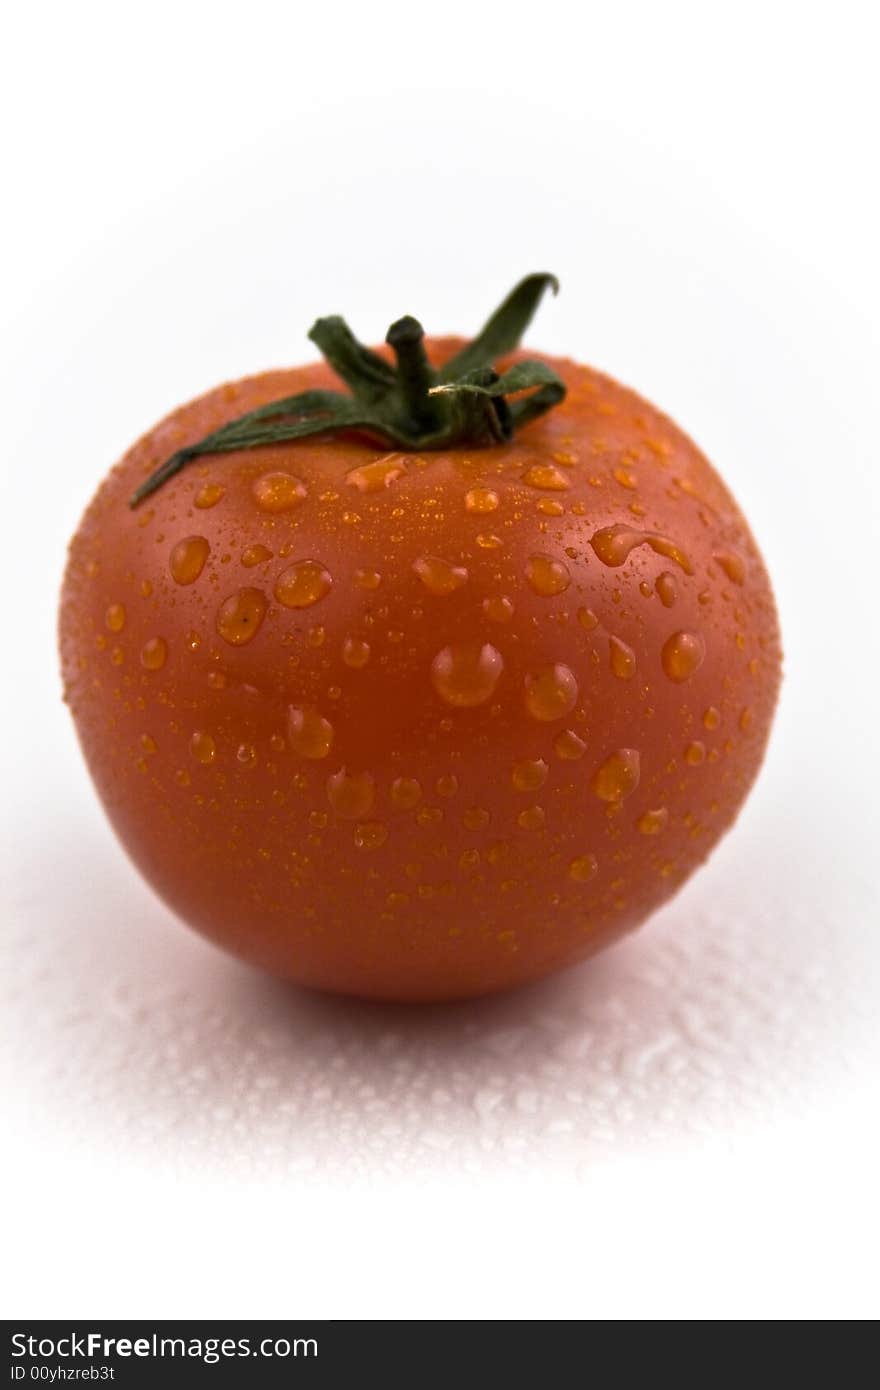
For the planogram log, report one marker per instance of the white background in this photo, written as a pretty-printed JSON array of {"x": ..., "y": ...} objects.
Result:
[{"x": 686, "y": 1127}]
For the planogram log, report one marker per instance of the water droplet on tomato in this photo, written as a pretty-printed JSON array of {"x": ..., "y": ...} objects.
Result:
[
  {"x": 188, "y": 559},
  {"x": 241, "y": 616},
  {"x": 746, "y": 719},
  {"x": 695, "y": 753},
  {"x": 367, "y": 579},
  {"x": 278, "y": 492},
  {"x": 532, "y": 818},
  {"x": 530, "y": 774},
  {"x": 652, "y": 822},
  {"x": 666, "y": 589},
  {"x": 355, "y": 652},
  {"x": 302, "y": 584},
  {"x": 546, "y": 575},
  {"x": 378, "y": 475},
  {"x": 622, "y": 659},
  {"x": 498, "y": 608},
  {"x": 447, "y": 785},
  {"x": 406, "y": 793},
  {"x": 551, "y": 692},
  {"x": 583, "y": 868},
  {"x": 310, "y": 735},
  {"x": 568, "y": 746},
  {"x": 154, "y": 654},
  {"x": 682, "y": 654},
  {"x": 481, "y": 500},
  {"x": 246, "y": 755},
  {"x": 439, "y": 576},
  {"x": 203, "y": 747},
  {"x": 712, "y": 718},
  {"x": 547, "y": 477},
  {"x": 587, "y": 619},
  {"x": 372, "y": 834},
  {"x": 612, "y": 545},
  {"x": 255, "y": 555},
  {"x": 351, "y": 794},
  {"x": 115, "y": 617},
  {"x": 618, "y": 776},
  {"x": 733, "y": 565},
  {"x": 467, "y": 674},
  {"x": 209, "y": 495}
]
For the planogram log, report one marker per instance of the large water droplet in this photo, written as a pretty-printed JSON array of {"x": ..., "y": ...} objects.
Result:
[
  {"x": 546, "y": 575},
  {"x": 406, "y": 793},
  {"x": 481, "y": 500},
  {"x": 587, "y": 619},
  {"x": 652, "y": 822},
  {"x": 733, "y": 565},
  {"x": 115, "y": 617},
  {"x": 310, "y": 734},
  {"x": 439, "y": 576},
  {"x": 279, "y": 492},
  {"x": 498, "y": 608},
  {"x": 583, "y": 868},
  {"x": 682, "y": 654},
  {"x": 241, "y": 616},
  {"x": 467, "y": 674},
  {"x": 203, "y": 747},
  {"x": 367, "y": 579},
  {"x": 666, "y": 588},
  {"x": 302, "y": 584},
  {"x": 547, "y": 477},
  {"x": 355, "y": 652},
  {"x": 613, "y": 544},
  {"x": 188, "y": 558},
  {"x": 622, "y": 659},
  {"x": 618, "y": 776},
  {"x": 551, "y": 692},
  {"x": 378, "y": 475},
  {"x": 530, "y": 774},
  {"x": 208, "y": 495},
  {"x": 532, "y": 818},
  {"x": 351, "y": 794},
  {"x": 255, "y": 555},
  {"x": 154, "y": 653}
]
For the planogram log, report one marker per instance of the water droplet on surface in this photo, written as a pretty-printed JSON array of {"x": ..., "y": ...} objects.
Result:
[
  {"x": 712, "y": 718},
  {"x": 241, "y": 616},
  {"x": 310, "y": 735},
  {"x": 475, "y": 817},
  {"x": 208, "y": 495},
  {"x": 568, "y": 746},
  {"x": 115, "y": 617},
  {"x": 618, "y": 776},
  {"x": 695, "y": 753},
  {"x": 146, "y": 588},
  {"x": 498, "y": 608},
  {"x": 626, "y": 478},
  {"x": 746, "y": 719},
  {"x": 406, "y": 793},
  {"x": 546, "y": 575},
  {"x": 246, "y": 755},
  {"x": 355, "y": 652},
  {"x": 551, "y": 692},
  {"x": 652, "y": 822},
  {"x": 378, "y": 475},
  {"x": 147, "y": 743},
  {"x": 587, "y": 619},
  {"x": 622, "y": 659},
  {"x": 279, "y": 492},
  {"x": 216, "y": 680},
  {"x": 532, "y": 818},
  {"x": 481, "y": 500},
  {"x": 486, "y": 541},
  {"x": 255, "y": 555},
  {"x": 583, "y": 868},
  {"x": 548, "y": 506},
  {"x": 188, "y": 559},
  {"x": 666, "y": 589},
  {"x": 682, "y": 655},
  {"x": 203, "y": 747},
  {"x": 613, "y": 544},
  {"x": 447, "y": 785},
  {"x": 530, "y": 774},
  {"x": 351, "y": 794},
  {"x": 117, "y": 656},
  {"x": 372, "y": 834},
  {"x": 466, "y": 675},
  {"x": 547, "y": 477},
  {"x": 154, "y": 654},
  {"x": 733, "y": 565},
  {"x": 302, "y": 584},
  {"x": 367, "y": 579},
  {"x": 439, "y": 576}
]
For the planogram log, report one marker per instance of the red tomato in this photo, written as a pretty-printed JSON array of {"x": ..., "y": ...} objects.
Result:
[{"x": 420, "y": 724}]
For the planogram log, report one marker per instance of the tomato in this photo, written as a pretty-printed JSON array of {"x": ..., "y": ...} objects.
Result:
[{"x": 420, "y": 723}]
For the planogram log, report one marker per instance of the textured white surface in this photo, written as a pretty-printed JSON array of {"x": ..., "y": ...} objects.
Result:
[{"x": 688, "y": 1124}]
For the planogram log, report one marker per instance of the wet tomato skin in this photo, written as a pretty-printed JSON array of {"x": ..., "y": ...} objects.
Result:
[{"x": 420, "y": 726}]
